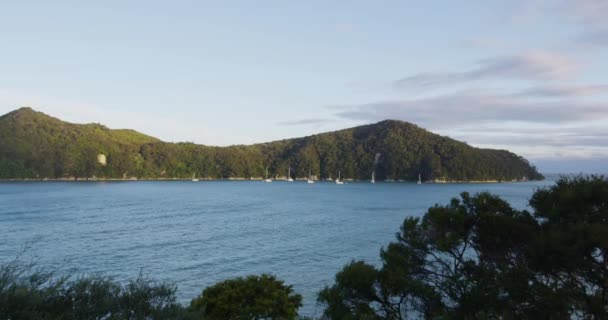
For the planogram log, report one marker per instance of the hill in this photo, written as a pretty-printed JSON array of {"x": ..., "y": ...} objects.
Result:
[{"x": 36, "y": 146}]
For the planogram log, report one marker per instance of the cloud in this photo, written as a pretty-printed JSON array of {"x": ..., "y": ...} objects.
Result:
[
  {"x": 588, "y": 15},
  {"x": 558, "y": 137},
  {"x": 581, "y": 141},
  {"x": 304, "y": 122},
  {"x": 590, "y": 12},
  {"x": 595, "y": 38},
  {"x": 477, "y": 107},
  {"x": 520, "y": 122},
  {"x": 572, "y": 165},
  {"x": 530, "y": 66},
  {"x": 562, "y": 91}
]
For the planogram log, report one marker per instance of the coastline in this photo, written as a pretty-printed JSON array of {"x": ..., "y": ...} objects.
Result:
[{"x": 133, "y": 179}]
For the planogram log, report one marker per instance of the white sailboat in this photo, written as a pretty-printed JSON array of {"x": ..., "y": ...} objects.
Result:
[
  {"x": 310, "y": 180},
  {"x": 194, "y": 179},
  {"x": 338, "y": 181},
  {"x": 419, "y": 179},
  {"x": 289, "y": 179},
  {"x": 373, "y": 177},
  {"x": 267, "y": 180}
]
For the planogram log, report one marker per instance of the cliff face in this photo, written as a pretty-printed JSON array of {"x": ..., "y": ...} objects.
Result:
[{"x": 34, "y": 145}]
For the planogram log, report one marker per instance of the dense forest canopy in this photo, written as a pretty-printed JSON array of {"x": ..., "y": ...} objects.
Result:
[{"x": 34, "y": 145}]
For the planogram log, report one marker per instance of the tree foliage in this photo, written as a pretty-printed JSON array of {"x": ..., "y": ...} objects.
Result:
[
  {"x": 252, "y": 297},
  {"x": 28, "y": 293},
  {"x": 34, "y": 145},
  {"x": 478, "y": 258}
]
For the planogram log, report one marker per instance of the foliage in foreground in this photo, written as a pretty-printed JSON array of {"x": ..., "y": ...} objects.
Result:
[
  {"x": 253, "y": 297},
  {"x": 28, "y": 294},
  {"x": 478, "y": 258}
]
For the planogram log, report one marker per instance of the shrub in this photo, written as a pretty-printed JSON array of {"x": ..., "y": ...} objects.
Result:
[{"x": 252, "y": 297}]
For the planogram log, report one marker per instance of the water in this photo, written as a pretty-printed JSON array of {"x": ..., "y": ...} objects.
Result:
[{"x": 195, "y": 234}]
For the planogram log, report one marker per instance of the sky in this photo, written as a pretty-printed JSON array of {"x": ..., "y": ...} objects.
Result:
[{"x": 528, "y": 76}]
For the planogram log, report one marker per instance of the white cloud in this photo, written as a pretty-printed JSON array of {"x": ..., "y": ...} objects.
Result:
[
  {"x": 560, "y": 91},
  {"x": 474, "y": 107},
  {"x": 517, "y": 122},
  {"x": 530, "y": 66}
]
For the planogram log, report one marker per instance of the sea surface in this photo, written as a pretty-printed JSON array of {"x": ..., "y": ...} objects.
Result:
[{"x": 197, "y": 233}]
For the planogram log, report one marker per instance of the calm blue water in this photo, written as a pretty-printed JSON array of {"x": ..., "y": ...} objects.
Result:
[{"x": 195, "y": 234}]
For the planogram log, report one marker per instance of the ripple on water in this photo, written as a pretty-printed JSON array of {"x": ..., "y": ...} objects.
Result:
[{"x": 195, "y": 234}]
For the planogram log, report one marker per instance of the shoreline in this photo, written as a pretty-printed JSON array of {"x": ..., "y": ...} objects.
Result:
[{"x": 73, "y": 179}]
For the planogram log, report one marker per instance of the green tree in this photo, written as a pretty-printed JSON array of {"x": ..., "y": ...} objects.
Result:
[
  {"x": 573, "y": 245},
  {"x": 34, "y": 145},
  {"x": 29, "y": 293},
  {"x": 252, "y": 297},
  {"x": 478, "y": 258}
]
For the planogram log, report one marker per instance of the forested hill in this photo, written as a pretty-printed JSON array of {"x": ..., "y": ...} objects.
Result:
[{"x": 36, "y": 146}]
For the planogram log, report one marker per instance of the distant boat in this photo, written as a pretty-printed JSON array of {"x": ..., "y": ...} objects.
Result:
[
  {"x": 194, "y": 179},
  {"x": 419, "y": 179},
  {"x": 289, "y": 179},
  {"x": 310, "y": 180},
  {"x": 267, "y": 180},
  {"x": 338, "y": 181},
  {"x": 373, "y": 177}
]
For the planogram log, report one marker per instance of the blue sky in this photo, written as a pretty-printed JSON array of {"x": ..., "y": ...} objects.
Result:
[{"x": 528, "y": 76}]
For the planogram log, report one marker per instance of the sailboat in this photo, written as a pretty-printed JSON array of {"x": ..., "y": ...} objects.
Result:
[
  {"x": 338, "y": 181},
  {"x": 310, "y": 177},
  {"x": 289, "y": 179},
  {"x": 194, "y": 179},
  {"x": 373, "y": 177},
  {"x": 267, "y": 180},
  {"x": 419, "y": 179}
]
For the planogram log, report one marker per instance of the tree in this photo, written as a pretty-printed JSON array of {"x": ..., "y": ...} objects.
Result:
[
  {"x": 252, "y": 297},
  {"x": 34, "y": 145},
  {"x": 574, "y": 222},
  {"x": 354, "y": 294},
  {"x": 431, "y": 167},
  {"x": 478, "y": 258},
  {"x": 29, "y": 293}
]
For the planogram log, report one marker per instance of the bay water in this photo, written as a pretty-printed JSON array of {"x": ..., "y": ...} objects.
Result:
[{"x": 195, "y": 234}]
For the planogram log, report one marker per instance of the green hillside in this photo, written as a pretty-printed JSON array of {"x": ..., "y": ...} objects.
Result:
[{"x": 34, "y": 145}]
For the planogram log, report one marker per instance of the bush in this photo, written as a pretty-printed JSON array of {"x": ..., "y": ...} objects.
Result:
[
  {"x": 28, "y": 293},
  {"x": 252, "y": 297}
]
